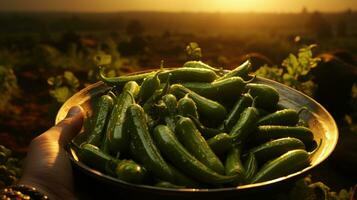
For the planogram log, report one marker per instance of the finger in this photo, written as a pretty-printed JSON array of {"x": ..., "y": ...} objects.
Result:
[{"x": 65, "y": 130}]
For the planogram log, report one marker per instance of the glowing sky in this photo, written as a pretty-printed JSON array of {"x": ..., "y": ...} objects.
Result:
[{"x": 177, "y": 5}]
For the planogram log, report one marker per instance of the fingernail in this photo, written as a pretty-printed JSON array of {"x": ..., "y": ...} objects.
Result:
[{"x": 74, "y": 111}]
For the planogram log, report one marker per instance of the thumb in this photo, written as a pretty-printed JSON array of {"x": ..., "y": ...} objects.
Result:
[{"x": 66, "y": 129}]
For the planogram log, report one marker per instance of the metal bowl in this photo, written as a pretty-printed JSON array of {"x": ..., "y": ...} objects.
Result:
[{"x": 319, "y": 120}]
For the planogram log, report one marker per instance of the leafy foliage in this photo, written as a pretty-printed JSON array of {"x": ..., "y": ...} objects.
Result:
[
  {"x": 351, "y": 119},
  {"x": 193, "y": 51},
  {"x": 63, "y": 86},
  {"x": 10, "y": 167},
  {"x": 294, "y": 71},
  {"x": 8, "y": 87},
  {"x": 306, "y": 189}
]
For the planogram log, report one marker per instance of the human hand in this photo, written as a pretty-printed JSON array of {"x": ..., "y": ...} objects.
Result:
[{"x": 47, "y": 166}]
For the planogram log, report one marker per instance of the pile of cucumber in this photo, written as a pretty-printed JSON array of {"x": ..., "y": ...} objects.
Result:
[{"x": 194, "y": 127}]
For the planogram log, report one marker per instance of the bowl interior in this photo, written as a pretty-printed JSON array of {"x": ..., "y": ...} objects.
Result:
[{"x": 319, "y": 120}]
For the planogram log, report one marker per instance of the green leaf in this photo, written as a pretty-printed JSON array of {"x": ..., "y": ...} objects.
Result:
[
  {"x": 291, "y": 63},
  {"x": 51, "y": 81},
  {"x": 193, "y": 51},
  {"x": 274, "y": 72},
  {"x": 102, "y": 59},
  {"x": 71, "y": 80},
  {"x": 61, "y": 94}
]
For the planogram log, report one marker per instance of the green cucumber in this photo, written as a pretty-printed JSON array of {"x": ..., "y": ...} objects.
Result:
[
  {"x": 269, "y": 132},
  {"x": 143, "y": 147},
  {"x": 220, "y": 143},
  {"x": 118, "y": 138},
  {"x": 275, "y": 148},
  {"x": 240, "y": 71},
  {"x": 267, "y": 96},
  {"x": 148, "y": 87},
  {"x": 234, "y": 166},
  {"x": 173, "y": 150},
  {"x": 171, "y": 104},
  {"x": 206, "y": 107},
  {"x": 194, "y": 142},
  {"x": 101, "y": 113},
  {"x": 245, "y": 125},
  {"x": 285, "y": 117},
  {"x": 286, "y": 164},
  {"x": 244, "y": 102},
  {"x": 126, "y": 170},
  {"x": 200, "y": 65},
  {"x": 226, "y": 89},
  {"x": 250, "y": 166},
  {"x": 178, "y": 75},
  {"x": 186, "y": 107}
]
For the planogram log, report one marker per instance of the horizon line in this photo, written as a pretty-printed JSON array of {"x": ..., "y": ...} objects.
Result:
[{"x": 168, "y": 11}]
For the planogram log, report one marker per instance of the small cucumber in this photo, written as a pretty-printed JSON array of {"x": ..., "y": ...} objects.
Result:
[
  {"x": 126, "y": 170},
  {"x": 177, "y": 75},
  {"x": 200, "y": 65},
  {"x": 143, "y": 147},
  {"x": 130, "y": 171},
  {"x": 285, "y": 117},
  {"x": 171, "y": 104},
  {"x": 102, "y": 111},
  {"x": 148, "y": 87},
  {"x": 206, "y": 107},
  {"x": 286, "y": 164},
  {"x": 244, "y": 102},
  {"x": 173, "y": 150},
  {"x": 268, "y": 132},
  {"x": 225, "y": 89},
  {"x": 267, "y": 96},
  {"x": 220, "y": 143},
  {"x": 275, "y": 148},
  {"x": 234, "y": 164},
  {"x": 240, "y": 71},
  {"x": 250, "y": 166},
  {"x": 193, "y": 141},
  {"x": 245, "y": 125},
  {"x": 186, "y": 107},
  {"x": 92, "y": 156},
  {"x": 118, "y": 138},
  {"x": 156, "y": 96},
  {"x": 188, "y": 75}
]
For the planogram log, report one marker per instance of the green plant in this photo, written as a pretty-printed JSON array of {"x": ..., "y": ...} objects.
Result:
[
  {"x": 306, "y": 189},
  {"x": 10, "y": 167},
  {"x": 8, "y": 87},
  {"x": 294, "y": 71},
  {"x": 63, "y": 86},
  {"x": 193, "y": 51},
  {"x": 351, "y": 119}
]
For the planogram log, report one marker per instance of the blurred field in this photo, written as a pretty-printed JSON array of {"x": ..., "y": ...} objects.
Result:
[{"x": 37, "y": 46}]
